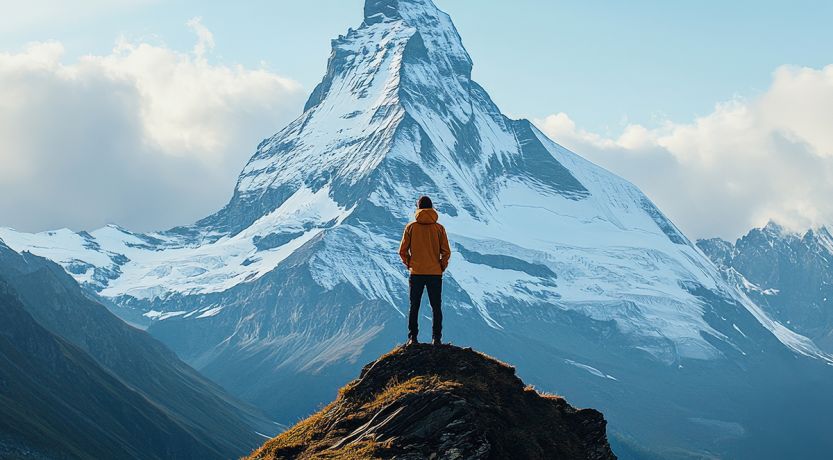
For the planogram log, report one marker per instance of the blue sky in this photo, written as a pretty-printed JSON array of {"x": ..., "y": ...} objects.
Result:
[
  {"x": 600, "y": 61},
  {"x": 719, "y": 111}
]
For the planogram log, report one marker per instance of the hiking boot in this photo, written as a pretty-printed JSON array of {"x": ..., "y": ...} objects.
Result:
[
  {"x": 411, "y": 341},
  {"x": 437, "y": 341}
]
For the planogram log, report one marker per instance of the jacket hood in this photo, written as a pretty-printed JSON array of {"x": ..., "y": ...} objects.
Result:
[{"x": 426, "y": 216}]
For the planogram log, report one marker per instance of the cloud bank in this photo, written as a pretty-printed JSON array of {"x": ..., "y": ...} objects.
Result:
[
  {"x": 146, "y": 136},
  {"x": 750, "y": 160},
  {"x": 151, "y": 137}
]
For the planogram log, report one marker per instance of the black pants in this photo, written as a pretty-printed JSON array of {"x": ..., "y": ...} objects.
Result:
[{"x": 434, "y": 284}]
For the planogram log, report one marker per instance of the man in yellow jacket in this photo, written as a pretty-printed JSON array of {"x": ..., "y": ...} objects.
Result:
[{"x": 425, "y": 251}]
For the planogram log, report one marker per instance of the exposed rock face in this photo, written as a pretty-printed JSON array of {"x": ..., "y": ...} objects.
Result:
[
  {"x": 443, "y": 402},
  {"x": 789, "y": 274},
  {"x": 560, "y": 267}
]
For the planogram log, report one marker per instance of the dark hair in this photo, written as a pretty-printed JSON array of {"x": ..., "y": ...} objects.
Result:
[{"x": 424, "y": 202}]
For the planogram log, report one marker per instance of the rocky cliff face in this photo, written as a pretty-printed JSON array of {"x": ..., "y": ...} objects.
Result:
[
  {"x": 789, "y": 274},
  {"x": 319, "y": 208},
  {"x": 443, "y": 402},
  {"x": 564, "y": 269}
]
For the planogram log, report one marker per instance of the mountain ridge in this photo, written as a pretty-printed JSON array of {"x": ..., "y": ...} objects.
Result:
[
  {"x": 787, "y": 272},
  {"x": 282, "y": 294},
  {"x": 142, "y": 367},
  {"x": 57, "y": 403}
]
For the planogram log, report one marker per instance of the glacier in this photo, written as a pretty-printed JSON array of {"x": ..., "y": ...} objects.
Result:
[
  {"x": 296, "y": 281},
  {"x": 372, "y": 138}
]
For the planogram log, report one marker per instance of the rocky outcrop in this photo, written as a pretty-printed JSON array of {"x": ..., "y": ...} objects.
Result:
[
  {"x": 789, "y": 274},
  {"x": 443, "y": 402}
]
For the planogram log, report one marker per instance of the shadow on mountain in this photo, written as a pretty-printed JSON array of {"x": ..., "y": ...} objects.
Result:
[{"x": 77, "y": 382}]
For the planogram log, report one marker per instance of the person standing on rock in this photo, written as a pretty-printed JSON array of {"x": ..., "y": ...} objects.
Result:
[{"x": 425, "y": 251}]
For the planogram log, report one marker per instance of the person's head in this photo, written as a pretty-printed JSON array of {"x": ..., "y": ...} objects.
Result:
[{"x": 424, "y": 202}]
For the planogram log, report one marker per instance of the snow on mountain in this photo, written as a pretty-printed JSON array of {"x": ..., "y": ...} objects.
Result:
[
  {"x": 398, "y": 115},
  {"x": 789, "y": 274},
  {"x": 557, "y": 264},
  {"x": 116, "y": 262}
]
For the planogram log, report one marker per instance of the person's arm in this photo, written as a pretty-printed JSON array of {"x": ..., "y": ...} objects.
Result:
[
  {"x": 405, "y": 247},
  {"x": 445, "y": 249}
]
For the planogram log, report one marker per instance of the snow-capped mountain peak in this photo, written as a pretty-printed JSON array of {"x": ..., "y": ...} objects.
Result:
[
  {"x": 537, "y": 230},
  {"x": 404, "y": 69},
  {"x": 558, "y": 265},
  {"x": 788, "y": 273}
]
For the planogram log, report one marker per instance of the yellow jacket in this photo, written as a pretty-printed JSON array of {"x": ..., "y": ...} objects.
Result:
[{"x": 424, "y": 248}]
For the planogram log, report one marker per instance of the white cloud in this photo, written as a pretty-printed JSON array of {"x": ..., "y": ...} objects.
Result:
[
  {"x": 205, "y": 39},
  {"x": 746, "y": 162},
  {"x": 145, "y": 136}
]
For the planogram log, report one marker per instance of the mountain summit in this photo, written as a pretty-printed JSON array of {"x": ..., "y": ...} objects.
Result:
[
  {"x": 442, "y": 402},
  {"x": 538, "y": 230},
  {"x": 789, "y": 274},
  {"x": 559, "y": 266}
]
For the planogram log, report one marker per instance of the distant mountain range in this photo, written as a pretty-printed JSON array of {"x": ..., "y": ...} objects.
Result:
[
  {"x": 77, "y": 382},
  {"x": 789, "y": 274},
  {"x": 558, "y": 265}
]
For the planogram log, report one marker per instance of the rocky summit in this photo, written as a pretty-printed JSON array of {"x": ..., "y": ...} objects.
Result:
[
  {"x": 442, "y": 402},
  {"x": 789, "y": 274},
  {"x": 559, "y": 266}
]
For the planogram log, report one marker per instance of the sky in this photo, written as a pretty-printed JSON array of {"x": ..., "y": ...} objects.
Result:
[{"x": 142, "y": 112}]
